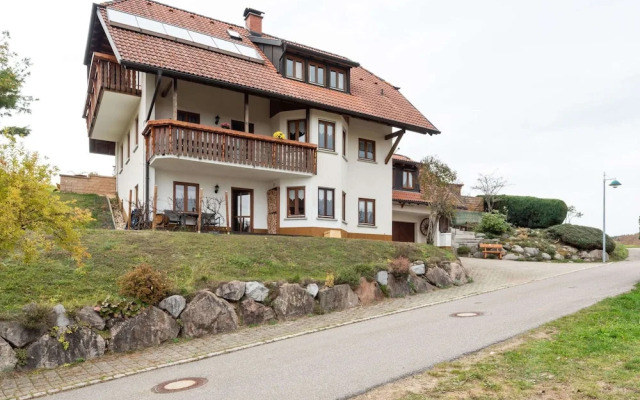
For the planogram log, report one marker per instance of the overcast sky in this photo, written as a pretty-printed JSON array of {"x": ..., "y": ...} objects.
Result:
[{"x": 543, "y": 93}]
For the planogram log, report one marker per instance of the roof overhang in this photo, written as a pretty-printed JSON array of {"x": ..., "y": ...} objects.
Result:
[
  {"x": 292, "y": 46},
  {"x": 263, "y": 93}
]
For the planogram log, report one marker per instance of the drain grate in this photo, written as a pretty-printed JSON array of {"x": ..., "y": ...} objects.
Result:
[
  {"x": 179, "y": 385},
  {"x": 467, "y": 314}
]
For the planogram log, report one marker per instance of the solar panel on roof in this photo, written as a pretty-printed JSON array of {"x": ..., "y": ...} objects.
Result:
[
  {"x": 248, "y": 51},
  {"x": 151, "y": 26},
  {"x": 156, "y": 28},
  {"x": 122, "y": 18},
  {"x": 226, "y": 45},
  {"x": 204, "y": 40},
  {"x": 177, "y": 32}
]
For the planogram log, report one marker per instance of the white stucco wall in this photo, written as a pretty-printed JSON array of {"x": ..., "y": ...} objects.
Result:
[{"x": 358, "y": 179}]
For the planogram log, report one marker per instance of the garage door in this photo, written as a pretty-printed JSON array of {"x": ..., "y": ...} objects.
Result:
[{"x": 403, "y": 231}]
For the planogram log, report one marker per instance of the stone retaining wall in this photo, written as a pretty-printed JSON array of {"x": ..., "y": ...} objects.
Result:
[{"x": 88, "y": 184}]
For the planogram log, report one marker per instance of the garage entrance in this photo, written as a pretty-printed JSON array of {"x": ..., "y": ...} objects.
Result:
[{"x": 403, "y": 231}]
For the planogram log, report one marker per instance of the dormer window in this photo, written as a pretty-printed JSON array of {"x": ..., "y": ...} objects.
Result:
[
  {"x": 407, "y": 180},
  {"x": 294, "y": 68},
  {"x": 336, "y": 79},
  {"x": 316, "y": 74}
]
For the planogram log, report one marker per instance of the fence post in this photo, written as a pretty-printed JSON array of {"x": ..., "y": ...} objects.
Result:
[{"x": 155, "y": 207}]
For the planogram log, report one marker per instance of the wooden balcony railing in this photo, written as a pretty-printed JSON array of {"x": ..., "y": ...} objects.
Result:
[
  {"x": 176, "y": 138},
  {"x": 106, "y": 74}
]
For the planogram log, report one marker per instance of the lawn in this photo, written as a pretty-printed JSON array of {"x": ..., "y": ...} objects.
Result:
[
  {"x": 193, "y": 261},
  {"x": 593, "y": 354},
  {"x": 96, "y": 204}
]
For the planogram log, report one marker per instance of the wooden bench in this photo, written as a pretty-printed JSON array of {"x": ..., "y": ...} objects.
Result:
[{"x": 491, "y": 248}]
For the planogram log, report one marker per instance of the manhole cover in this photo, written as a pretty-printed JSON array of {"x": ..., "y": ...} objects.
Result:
[
  {"x": 179, "y": 385},
  {"x": 467, "y": 314}
]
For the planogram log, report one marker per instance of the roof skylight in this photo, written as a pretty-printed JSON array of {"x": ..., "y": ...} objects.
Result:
[{"x": 172, "y": 32}]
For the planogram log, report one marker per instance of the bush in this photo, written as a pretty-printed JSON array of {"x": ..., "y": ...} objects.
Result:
[
  {"x": 620, "y": 253},
  {"x": 493, "y": 223},
  {"x": 532, "y": 212},
  {"x": 36, "y": 316},
  {"x": 144, "y": 283},
  {"x": 581, "y": 237},
  {"x": 463, "y": 250},
  {"x": 399, "y": 266}
]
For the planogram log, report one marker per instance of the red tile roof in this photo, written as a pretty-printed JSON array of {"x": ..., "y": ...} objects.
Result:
[{"x": 370, "y": 96}]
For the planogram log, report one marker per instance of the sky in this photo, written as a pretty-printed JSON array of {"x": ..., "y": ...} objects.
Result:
[{"x": 544, "y": 93}]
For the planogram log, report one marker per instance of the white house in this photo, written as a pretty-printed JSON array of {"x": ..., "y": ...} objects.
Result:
[{"x": 187, "y": 103}]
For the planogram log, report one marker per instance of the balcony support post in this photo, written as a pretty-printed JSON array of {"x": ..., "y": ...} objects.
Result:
[
  {"x": 174, "y": 115},
  {"x": 246, "y": 112},
  {"x": 155, "y": 94}
]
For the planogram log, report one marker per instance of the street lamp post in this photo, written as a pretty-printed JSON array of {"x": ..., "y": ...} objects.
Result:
[{"x": 614, "y": 184}]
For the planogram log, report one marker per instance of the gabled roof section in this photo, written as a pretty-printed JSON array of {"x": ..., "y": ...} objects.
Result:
[{"x": 370, "y": 98}]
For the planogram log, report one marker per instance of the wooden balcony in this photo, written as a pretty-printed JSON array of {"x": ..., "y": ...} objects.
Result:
[
  {"x": 106, "y": 75},
  {"x": 218, "y": 145}
]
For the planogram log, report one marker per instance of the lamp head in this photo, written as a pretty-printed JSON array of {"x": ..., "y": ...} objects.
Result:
[{"x": 615, "y": 183}]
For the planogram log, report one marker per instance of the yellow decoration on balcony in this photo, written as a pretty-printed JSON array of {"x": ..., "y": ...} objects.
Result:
[{"x": 278, "y": 135}]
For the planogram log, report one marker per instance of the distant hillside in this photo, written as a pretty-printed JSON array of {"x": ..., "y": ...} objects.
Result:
[{"x": 628, "y": 239}]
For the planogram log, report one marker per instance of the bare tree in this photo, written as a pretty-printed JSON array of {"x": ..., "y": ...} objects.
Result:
[
  {"x": 436, "y": 178},
  {"x": 572, "y": 213},
  {"x": 490, "y": 186}
]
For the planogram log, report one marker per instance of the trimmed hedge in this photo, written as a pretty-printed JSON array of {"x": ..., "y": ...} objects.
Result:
[
  {"x": 581, "y": 237},
  {"x": 532, "y": 212}
]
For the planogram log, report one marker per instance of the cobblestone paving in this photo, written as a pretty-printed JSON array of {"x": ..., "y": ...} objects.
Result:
[{"x": 488, "y": 275}]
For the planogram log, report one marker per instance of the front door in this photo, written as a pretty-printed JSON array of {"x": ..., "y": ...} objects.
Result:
[
  {"x": 403, "y": 231},
  {"x": 273, "y": 211},
  {"x": 242, "y": 210}
]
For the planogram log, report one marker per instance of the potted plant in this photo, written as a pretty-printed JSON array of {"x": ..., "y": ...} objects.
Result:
[
  {"x": 225, "y": 125},
  {"x": 278, "y": 135}
]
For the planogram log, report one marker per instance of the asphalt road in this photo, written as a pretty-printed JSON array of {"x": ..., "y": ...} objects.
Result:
[{"x": 345, "y": 361}]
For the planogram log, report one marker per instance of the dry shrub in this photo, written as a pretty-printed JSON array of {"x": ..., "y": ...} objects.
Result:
[
  {"x": 399, "y": 266},
  {"x": 145, "y": 284}
]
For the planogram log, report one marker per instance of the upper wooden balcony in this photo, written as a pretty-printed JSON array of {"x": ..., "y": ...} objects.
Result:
[
  {"x": 106, "y": 76},
  {"x": 214, "y": 145}
]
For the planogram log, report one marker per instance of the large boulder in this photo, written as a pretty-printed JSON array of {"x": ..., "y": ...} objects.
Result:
[
  {"x": 60, "y": 313},
  {"x": 478, "y": 254},
  {"x": 531, "y": 251},
  {"x": 339, "y": 297},
  {"x": 418, "y": 284},
  {"x": 368, "y": 292},
  {"x": 558, "y": 257},
  {"x": 398, "y": 286},
  {"x": 19, "y": 336},
  {"x": 313, "y": 289},
  {"x": 67, "y": 345},
  {"x": 511, "y": 257},
  {"x": 254, "y": 313},
  {"x": 418, "y": 269},
  {"x": 233, "y": 290},
  {"x": 456, "y": 272},
  {"x": 439, "y": 277},
  {"x": 382, "y": 277},
  {"x": 8, "y": 357},
  {"x": 89, "y": 317},
  {"x": 545, "y": 256},
  {"x": 174, "y": 305},
  {"x": 207, "y": 314},
  {"x": 517, "y": 249},
  {"x": 256, "y": 291},
  {"x": 292, "y": 302},
  {"x": 596, "y": 255},
  {"x": 149, "y": 328}
]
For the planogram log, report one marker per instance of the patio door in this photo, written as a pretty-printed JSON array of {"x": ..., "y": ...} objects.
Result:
[
  {"x": 242, "y": 210},
  {"x": 273, "y": 211}
]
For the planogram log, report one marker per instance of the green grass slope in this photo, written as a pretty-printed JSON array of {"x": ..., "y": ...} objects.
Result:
[
  {"x": 193, "y": 261},
  {"x": 96, "y": 204}
]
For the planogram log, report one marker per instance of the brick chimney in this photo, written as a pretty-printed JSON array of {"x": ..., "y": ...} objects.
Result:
[{"x": 253, "y": 20}]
